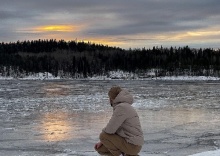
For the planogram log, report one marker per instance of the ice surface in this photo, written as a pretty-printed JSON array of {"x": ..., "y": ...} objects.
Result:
[
  {"x": 65, "y": 117},
  {"x": 209, "y": 153}
]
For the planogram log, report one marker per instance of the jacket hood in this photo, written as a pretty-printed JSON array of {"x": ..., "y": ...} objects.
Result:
[{"x": 123, "y": 97}]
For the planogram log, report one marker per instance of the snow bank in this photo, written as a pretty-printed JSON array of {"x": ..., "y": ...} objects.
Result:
[
  {"x": 40, "y": 76},
  {"x": 37, "y": 76},
  {"x": 6, "y": 78},
  {"x": 188, "y": 78},
  {"x": 209, "y": 153},
  {"x": 118, "y": 75}
]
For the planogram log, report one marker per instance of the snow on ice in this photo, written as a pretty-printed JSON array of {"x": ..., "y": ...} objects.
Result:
[{"x": 119, "y": 75}]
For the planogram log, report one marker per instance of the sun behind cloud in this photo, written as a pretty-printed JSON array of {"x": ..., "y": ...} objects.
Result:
[{"x": 59, "y": 28}]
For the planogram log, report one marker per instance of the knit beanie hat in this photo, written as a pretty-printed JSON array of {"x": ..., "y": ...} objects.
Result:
[{"x": 114, "y": 91}]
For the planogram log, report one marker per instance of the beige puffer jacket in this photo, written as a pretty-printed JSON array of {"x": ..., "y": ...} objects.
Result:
[{"x": 125, "y": 121}]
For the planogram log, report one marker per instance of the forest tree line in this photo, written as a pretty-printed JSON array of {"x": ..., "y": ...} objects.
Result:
[{"x": 73, "y": 58}]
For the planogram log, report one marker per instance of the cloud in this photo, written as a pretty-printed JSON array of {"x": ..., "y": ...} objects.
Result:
[
  {"x": 159, "y": 16},
  {"x": 122, "y": 20}
]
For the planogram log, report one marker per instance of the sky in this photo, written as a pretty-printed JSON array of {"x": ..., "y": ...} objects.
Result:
[{"x": 120, "y": 23}]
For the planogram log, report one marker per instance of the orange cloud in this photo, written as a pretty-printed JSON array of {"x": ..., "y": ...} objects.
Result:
[
  {"x": 59, "y": 28},
  {"x": 200, "y": 34}
]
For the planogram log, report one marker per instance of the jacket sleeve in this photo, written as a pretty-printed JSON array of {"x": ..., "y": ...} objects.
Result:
[{"x": 118, "y": 117}]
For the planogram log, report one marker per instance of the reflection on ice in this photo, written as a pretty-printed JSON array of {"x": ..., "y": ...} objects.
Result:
[
  {"x": 56, "y": 126},
  {"x": 54, "y": 89},
  {"x": 63, "y": 126}
]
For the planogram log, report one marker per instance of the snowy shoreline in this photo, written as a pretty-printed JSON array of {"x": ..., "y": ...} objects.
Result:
[{"x": 117, "y": 76}]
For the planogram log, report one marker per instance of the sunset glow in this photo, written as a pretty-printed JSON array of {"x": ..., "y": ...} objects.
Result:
[
  {"x": 60, "y": 28},
  {"x": 196, "y": 35},
  {"x": 56, "y": 127}
]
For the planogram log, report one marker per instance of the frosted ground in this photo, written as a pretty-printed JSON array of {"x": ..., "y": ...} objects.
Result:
[{"x": 65, "y": 117}]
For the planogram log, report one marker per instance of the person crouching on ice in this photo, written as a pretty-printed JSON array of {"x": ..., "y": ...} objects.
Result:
[{"x": 123, "y": 134}]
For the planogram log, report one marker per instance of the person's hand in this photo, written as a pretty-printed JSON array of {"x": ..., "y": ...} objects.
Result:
[{"x": 99, "y": 144}]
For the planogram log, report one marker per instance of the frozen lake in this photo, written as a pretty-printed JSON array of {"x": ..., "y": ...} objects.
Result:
[{"x": 65, "y": 117}]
